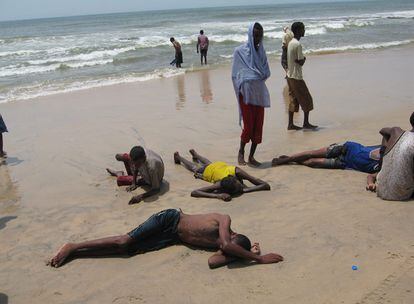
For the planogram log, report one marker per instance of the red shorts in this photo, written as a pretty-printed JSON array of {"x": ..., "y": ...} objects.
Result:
[
  {"x": 125, "y": 180},
  {"x": 253, "y": 117}
]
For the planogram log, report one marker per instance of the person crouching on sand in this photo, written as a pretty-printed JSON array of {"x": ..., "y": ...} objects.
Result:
[
  {"x": 227, "y": 180},
  {"x": 249, "y": 73},
  {"x": 298, "y": 91},
  {"x": 170, "y": 227},
  {"x": 142, "y": 163}
]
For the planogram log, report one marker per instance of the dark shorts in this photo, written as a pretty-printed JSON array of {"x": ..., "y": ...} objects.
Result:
[
  {"x": 335, "y": 156},
  {"x": 203, "y": 52},
  {"x": 179, "y": 58},
  {"x": 3, "y": 127},
  {"x": 158, "y": 232}
]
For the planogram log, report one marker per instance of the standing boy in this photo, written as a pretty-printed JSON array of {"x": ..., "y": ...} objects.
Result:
[{"x": 298, "y": 91}]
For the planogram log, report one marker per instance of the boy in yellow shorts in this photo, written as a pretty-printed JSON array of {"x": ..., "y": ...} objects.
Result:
[{"x": 227, "y": 180}]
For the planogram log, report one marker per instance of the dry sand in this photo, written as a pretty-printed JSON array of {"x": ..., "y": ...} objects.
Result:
[{"x": 54, "y": 189}]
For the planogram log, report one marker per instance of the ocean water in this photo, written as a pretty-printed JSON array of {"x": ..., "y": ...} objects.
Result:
[{"x": 47, "y": 56}]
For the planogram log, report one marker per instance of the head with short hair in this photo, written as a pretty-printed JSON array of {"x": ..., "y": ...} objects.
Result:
[
  {"x": 412, "y": 120},
  {"x": 298, "y": 29},
  {"x": 201, "y": 32},
  {"x": 231, "y": 185},
  {"x": 137, "y": 155},
  {"x": 172, "y": 39},
  {"x": 241, "y": 240}
]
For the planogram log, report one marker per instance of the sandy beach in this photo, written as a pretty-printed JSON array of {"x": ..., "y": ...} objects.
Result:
[{"x": 54, "y": 189}]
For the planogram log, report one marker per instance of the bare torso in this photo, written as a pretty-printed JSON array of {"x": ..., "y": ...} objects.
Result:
[{"x": 200, "y": 230}]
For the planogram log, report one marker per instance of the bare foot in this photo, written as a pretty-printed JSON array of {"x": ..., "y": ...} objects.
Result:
[
  {"x": 294, "y": 127},
  {"x": 61, "y": 255},
  {"x": 309, "y": 126},
  {"x": 254, "y": 162},
  {"x": 281, "y": 160},
  {"x": 193, "y": 154},
  {"x": 241, "y": 160},
  {"x": 177, "y": 158},
  {"x": 114, "y": 173}
]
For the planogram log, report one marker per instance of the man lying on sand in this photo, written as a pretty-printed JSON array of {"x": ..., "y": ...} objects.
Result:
[
  {"x": 228, "y": 180},
  {"x": 169, "y": 227},
  {"x": 395, "y": 181},
  {"x": 349, "y": 155},
  {"x": 145, "y": 164}
]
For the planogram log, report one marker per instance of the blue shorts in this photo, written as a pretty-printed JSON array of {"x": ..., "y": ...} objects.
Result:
[
  {"x": 158, "y": 232},
  {"x": 3, "y": 127}
]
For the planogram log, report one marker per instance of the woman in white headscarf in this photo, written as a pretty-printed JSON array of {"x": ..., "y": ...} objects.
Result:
[{"x": 249, "y": 73}]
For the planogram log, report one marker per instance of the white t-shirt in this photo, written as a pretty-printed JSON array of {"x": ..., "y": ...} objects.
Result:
[{"x": 294, "y": 52}]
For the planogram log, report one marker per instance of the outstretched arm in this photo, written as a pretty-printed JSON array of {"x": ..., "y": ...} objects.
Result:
[
  {"x": 259, "y": 185},
  {"x": 209, "y": 192},
  {"x": 237, "y": 251},
  {"x": 371, "y": 182}
]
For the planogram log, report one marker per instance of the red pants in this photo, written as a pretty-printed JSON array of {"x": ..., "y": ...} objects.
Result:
[
  {"x": 253, "y": 117},
  {"x": 125, "y": 180}
]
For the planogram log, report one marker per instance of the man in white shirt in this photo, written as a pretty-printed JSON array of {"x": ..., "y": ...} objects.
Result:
[{"x": 298, "y": 91}]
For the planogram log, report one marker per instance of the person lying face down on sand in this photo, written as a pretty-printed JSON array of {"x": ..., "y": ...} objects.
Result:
[
  {"x": 169, "y": 227},
  {"x": 142, "y": 163},
  {"x": 227, "y": 180},
  {"x": 349, "y": 155},
  {"x": 395, "y": 181}
]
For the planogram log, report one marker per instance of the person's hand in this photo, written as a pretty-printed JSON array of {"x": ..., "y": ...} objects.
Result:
[
  {"x": 371, "y": 187},
  {"x": 255, "y": 248},
  {"x": 224, "y": 196},
  {"x": 131, "y": 188},
  {"x": 135, "y": 199},
  {"x": 270, "y": 258}
]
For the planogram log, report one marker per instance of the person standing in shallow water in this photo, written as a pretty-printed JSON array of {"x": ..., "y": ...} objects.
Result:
[
  {"x": 178, "y": 52},
  {"x": 202, "y": 45},
  {"x": 249, "y": 73},
  {"x": 3, "y": 129}
]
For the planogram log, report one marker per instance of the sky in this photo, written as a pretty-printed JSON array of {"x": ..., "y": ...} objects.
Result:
[{"x": 29, "y": 9}]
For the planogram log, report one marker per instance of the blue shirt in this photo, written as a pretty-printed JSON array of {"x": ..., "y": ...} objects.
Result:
[{"x": 358, "y": 157}]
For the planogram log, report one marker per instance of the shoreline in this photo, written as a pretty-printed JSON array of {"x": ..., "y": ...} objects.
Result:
[{"x": 169, "y": 72}]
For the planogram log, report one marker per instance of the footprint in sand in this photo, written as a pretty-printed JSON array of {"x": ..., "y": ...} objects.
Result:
[{"x": 390, "y": 289}]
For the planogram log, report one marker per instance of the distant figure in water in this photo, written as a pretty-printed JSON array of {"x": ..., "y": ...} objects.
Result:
[
  {"x": 395, "y": 181},
  {"x": 178, "y": 53},
  {"x": 144, "y": 167},
  {"x": 170, "y": 227},
  {"x": 349, "y": 155},
  {"x": 3, "y": 129},
  {"x": 298, "y": 91},
  {"x": 202, "y": 44},
  {"x": 249, "y": 73},
  {"x": 227, "y": 180}
]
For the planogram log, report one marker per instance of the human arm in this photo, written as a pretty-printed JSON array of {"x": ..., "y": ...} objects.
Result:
[
  {"x": 134, "y": 184},
  {"x": 259, "y": 185},
  {"x": 198, "y": 43},
  {"x": 300, "y": 57},
  {"x": 209, "y": 192},
  {"x": 220, "y": 259},
  {"x": 156, "y": 176},
  {"x": 234, "y": 250},
  {"x": 137, "y": 198},
  {"x": 371, "y": 182}
]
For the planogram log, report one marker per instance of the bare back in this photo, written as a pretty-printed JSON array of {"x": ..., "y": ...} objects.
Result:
[{"x": 200, "y": 230}]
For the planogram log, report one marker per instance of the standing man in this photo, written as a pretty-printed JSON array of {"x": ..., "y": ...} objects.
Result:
[
  {"x": 178, "y": 53},
  {"x": 298, "y": 91},
  {"x": 202, "y": 42},
  {"x": 249, "y": 73}
]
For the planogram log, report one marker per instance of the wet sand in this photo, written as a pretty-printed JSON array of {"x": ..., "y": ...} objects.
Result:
[{"x": 54, "y": 189}]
